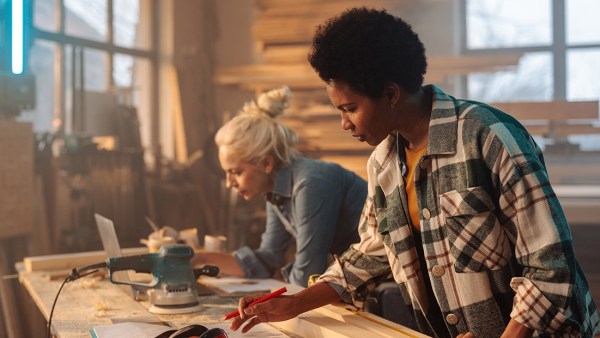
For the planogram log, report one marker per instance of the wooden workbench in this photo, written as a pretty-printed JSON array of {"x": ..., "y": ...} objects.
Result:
[
  {"x": 77, "y": 311},
  {"x": 83, "y": 304}
]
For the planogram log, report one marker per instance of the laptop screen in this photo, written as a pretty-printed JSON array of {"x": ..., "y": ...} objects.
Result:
[{"x": 110, "y": 242}]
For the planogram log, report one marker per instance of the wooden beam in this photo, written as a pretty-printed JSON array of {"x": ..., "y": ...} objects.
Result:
[
  {"x": 553, "y": 110},
  {"x": 563, "y": 130},
  {"x": 298, "y": 53},
  {"x": 299, "y": 74},
  {"x": 331, "y": 321},
  {"x": 181, "y": 151},
  {"x": 72, "y": 260},
  {"x": 377, "y": 326}
]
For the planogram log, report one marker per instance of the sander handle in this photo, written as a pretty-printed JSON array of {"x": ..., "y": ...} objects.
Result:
[{"x": 206, "y": 270}]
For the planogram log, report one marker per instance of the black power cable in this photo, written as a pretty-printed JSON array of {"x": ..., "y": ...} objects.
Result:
[{"x": 75, "y": 274}]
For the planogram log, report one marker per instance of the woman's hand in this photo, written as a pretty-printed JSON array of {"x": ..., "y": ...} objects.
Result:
[
  {"x": 274, "y": 310},
  {"x": 282, "y": 307},
  {"x": 514, "y": 329}
]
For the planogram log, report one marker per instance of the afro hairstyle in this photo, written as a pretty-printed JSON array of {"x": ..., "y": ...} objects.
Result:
[{"x": 367, "y": 49}]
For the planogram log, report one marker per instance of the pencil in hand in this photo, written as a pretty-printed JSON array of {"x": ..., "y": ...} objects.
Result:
[{"x": 260, "y": 300}]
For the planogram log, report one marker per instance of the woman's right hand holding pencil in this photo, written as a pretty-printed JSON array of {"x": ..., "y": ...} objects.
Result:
[
  {"x": 283, "y": 307},
  {"x": 274, "y": 310}
]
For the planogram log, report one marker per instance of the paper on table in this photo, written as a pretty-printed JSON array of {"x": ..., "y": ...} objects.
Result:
[
  {"x": 128, "y": 329},
  {"x": 240, "y": 285},
  {"x": 131, "y": 329},
  {"x": 260, "y": 330}
]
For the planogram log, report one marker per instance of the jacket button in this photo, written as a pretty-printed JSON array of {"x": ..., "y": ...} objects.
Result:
[
  {"x": 426, "y": 213},
  {"x": 452, "y": 319},
  {"x": 425, "y": 163},
  {"x": 438, "y": 270}
]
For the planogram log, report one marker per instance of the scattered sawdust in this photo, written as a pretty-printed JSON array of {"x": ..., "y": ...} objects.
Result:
[{"x": 101, "y": 308}]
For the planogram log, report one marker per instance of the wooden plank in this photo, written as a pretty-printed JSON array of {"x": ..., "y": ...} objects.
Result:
[
  {"x": 449, "y": 63},
  {"x": 300, "y": 73},
  {"x": 305, "y": 15},
  {"x": 563, "y": 130},
  {"x": 553, "y": 110},
  {"x": 376, "y": 325},
  {"x": 320, "y": 323},
  {"x": 72, "y": 260},
  {"x": 181, "y": 151},
  {"x": 311, "y": 324},
  {"x": 278, "y": 7},
  {"x": 267, "y": 72},
  {"x": 538, "y": 129},
  {"x": 286, "y": 53}
]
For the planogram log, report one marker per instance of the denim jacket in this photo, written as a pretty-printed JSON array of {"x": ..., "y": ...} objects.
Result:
[{"x": 316, "y": 203}]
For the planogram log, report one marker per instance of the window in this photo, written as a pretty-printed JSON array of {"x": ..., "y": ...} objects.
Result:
[
  {"x": 42, "y": 65},
  {"x": 570, "y": 55},
  {"x": 508, "y": 23},
  {"x": 560, "y": 44},
  {"x": 81, "y": 53}
]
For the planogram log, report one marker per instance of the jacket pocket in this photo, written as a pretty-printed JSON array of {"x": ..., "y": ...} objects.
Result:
[{"x": 476, "y": 237}]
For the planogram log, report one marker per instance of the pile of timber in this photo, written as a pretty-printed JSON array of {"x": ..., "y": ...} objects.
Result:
[{"x": 282, "y": 33}]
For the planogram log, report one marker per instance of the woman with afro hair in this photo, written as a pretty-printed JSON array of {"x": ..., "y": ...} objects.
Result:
[{"x": 459, "y": 211}]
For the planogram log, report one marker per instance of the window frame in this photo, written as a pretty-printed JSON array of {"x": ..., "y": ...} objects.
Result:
[
  {"x": 61, "y": 40},
  {"x": 558, "y": 48}
]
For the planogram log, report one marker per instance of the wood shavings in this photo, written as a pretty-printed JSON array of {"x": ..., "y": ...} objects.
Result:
[
  {"x": 101, "y": 308},
  {"x": 89, "y": 283}
]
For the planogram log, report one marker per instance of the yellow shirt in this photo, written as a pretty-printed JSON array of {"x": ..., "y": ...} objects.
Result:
[{"x": 412, "y": 159}]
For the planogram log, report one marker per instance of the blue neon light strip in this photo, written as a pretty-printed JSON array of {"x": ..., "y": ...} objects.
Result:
[{"x": 17, "y": 36}]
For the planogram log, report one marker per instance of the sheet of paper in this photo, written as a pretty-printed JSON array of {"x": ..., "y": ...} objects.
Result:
[
  {"x": 241, "y": 285},
  {"x": 260, "y": 330},
  {"x": 128, "y": 329},
  {"x": 144, "y": 330}
]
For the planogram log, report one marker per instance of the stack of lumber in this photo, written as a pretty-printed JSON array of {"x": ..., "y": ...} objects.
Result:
[
  {"x": 283, "y": 31},
  {"x": 288, "y": 65}
]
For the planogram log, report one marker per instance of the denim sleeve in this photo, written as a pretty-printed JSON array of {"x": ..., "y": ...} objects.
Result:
[
  {"x": 250, "y": 263},
  {"x": 316, "y": 205},
  {"x": 262, "y": 262}
]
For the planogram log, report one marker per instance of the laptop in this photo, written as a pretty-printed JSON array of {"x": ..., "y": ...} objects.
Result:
[
  {"x": 108, "y": 235},
  {"x": 110, "y": 242}
]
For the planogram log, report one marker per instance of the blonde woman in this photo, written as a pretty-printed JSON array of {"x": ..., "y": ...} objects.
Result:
[{"x": 315, "y": 203}]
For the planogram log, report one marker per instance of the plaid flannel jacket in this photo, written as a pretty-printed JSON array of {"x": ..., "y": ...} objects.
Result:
[{"x": 496, "y": 241}]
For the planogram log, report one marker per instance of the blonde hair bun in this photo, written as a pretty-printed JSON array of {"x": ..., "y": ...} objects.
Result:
[
  {"x": 272, "y": 103},
  {"x": 254, "y": 133}
]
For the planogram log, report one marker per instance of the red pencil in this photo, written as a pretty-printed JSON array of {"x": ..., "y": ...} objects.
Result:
[{"x": 260, "y": 300}]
